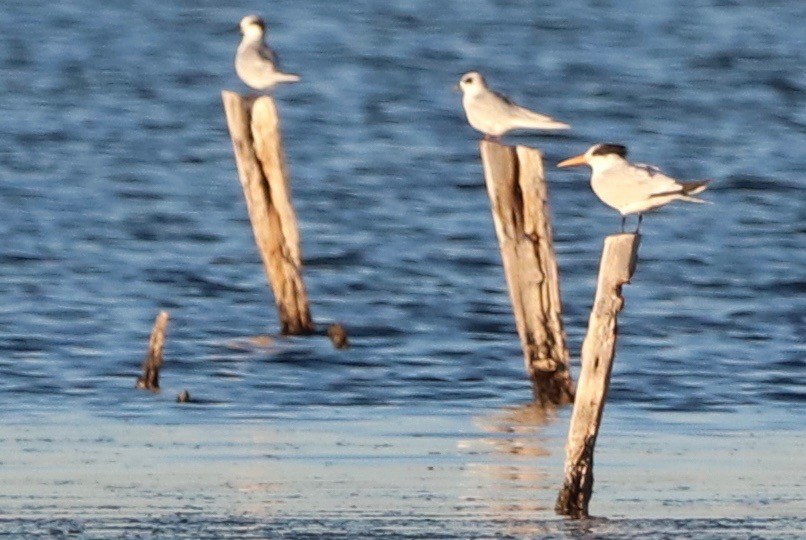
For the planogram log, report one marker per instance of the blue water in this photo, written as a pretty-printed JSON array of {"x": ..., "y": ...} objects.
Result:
[{"x": 119, "y": 197}]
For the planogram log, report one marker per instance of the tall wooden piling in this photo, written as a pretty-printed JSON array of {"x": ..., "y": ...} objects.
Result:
[
  {"x": 254, "y": 127},
  {"x": 519, "y": 200},
  {"x": 598, "y": 350},
  {"x": 150, "y": 380}
]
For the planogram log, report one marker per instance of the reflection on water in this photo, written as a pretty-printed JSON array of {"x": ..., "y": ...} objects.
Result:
[
  {"x": 509, "y": 467},
  {"x": 518, "y": 429},
  {"x": 388, "y": 474}
]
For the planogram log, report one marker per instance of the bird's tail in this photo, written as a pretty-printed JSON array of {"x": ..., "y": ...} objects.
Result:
[
  {"x": 552, "y": 124},
  {"x": 692, "y": 188},
  {"x": 689, "y": 198},
  {"x": 287, "y": 77},
  {"x": 544, "y": 122},
  {"x": 531, "y": 120}
]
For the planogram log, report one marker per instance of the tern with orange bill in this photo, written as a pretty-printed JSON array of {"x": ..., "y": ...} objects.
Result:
[
  {"x": 494, "y": 114},
  {"x": 631, "y": 188}
]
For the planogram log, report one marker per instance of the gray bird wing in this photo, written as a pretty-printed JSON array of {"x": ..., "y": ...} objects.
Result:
[
  {"x": 503, "y": 98},
  {"x": 650, "y": 181},
  {"x": 515, "y": 111},
  {"x": 493, "y": 103},
  {"x": 256, "y": 59},
  {"x": 267, "y": 54},
  {"x": 650, "y": 169}
]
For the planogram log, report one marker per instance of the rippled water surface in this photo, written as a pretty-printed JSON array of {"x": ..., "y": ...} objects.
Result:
[{"x": 119, "y": 197}]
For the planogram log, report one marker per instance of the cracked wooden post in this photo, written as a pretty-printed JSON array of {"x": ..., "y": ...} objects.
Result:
[
  {"x": 598, "y": 349},
  {"x": 254, "y": 127},
  {"x": 150, "y": 380},
  {"x": 519, "y": 201}
]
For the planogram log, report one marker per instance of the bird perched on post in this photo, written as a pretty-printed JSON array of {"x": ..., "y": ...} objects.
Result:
[
  {"x": 631, "y": 188},
  {"x": 255, "y": 62},
  {"x": 494, "y": 114}
]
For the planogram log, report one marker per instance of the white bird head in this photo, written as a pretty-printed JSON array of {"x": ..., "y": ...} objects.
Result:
[
  {"x": 252, "y": 25},
  {"x": 472, "y": 83},
  {"x": 597, "y": 156}
]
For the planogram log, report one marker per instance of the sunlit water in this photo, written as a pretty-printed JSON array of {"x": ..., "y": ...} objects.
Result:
[{"x": 119, "y": 197}]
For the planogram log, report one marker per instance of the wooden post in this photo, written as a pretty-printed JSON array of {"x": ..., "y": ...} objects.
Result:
[
  {"x": 254, "y": 127},
  {"x": 519, "y": 201},
  {"x": 598, "y": 349},
  {"x": 150, "y": 380}
]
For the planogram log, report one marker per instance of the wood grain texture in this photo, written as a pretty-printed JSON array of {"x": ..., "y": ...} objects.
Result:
[
  {"x": 598, "y": 351},
  {"x": 254, "y": 128},
  {"x": 519, "y": 201},
  {"x": 150, "y": 380}
]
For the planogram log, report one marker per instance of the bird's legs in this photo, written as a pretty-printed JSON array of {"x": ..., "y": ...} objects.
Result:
[
  {"x": 623, "y": 222},
  {"x": 638, "y": 228}
]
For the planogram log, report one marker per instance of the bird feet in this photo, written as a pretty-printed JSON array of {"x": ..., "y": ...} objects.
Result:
[{"x": 637, "y": 228}]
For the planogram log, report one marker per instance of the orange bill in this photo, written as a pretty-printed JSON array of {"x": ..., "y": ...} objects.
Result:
[{"x": 573, "y": 161}]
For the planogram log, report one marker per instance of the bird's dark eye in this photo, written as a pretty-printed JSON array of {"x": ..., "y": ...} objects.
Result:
[{"x": 468, "y": 80}]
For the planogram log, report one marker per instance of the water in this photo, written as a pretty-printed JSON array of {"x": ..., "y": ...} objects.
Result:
[{"x": 119, "y": 197}]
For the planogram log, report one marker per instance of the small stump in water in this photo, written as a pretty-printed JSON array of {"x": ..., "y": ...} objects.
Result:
[{"x": 338, "y": 336}]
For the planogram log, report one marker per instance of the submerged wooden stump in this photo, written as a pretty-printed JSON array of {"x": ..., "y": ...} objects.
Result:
[
  {"x": 254, "y": 127},
  {"x": 338, "y": 336},
  {"x": 598, "y": 350},
  {"x": 519, "y": 200},
  {"x": 150, "y": 380}
]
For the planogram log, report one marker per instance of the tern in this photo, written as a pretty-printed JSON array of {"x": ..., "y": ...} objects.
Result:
[
  {"x": 255, "y": 62},
  {"x": 631, "y": 188},
  {"x": 494, "y": 114}
]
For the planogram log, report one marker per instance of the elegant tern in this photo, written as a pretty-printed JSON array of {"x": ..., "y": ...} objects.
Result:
[{"x": 631, "y": 188}]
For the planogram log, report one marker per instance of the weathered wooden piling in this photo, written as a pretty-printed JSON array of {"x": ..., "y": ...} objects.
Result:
[
  {"x": 519, "y": 200},
  {"x": 254, "y": 127},
  {"x": 598, "y": 349},
  {"x": 150, "y": 380}
]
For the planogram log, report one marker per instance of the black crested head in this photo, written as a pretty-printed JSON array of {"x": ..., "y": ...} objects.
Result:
[{"x": 605, "y": 149}]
